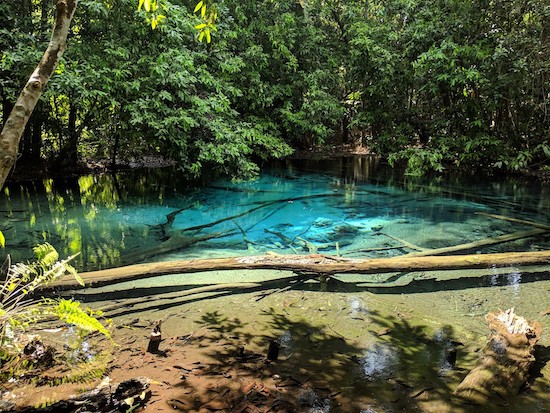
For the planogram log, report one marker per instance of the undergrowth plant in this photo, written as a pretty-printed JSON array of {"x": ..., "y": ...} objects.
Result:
[{"x": 21, "y": 310}]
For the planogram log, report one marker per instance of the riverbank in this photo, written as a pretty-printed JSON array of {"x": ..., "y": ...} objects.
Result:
[{"x": 338, "y": 352}]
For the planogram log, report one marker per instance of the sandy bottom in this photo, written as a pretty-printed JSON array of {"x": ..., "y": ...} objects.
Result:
[{"x": 342, "y": 348}]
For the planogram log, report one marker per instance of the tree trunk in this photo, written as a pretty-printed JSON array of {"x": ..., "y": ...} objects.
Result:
[
  {"x": 19, "y": 116},
  {"x": 68, "y": 156},
  {"x": 503, "y": 367},
  {"x": 309, "y": 264}
]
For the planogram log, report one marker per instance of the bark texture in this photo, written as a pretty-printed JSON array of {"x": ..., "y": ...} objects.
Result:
[
  {"x": 314, "y": 264},
  {"x": 503, "y": 367},
  {"x": 27, "y": 100}
]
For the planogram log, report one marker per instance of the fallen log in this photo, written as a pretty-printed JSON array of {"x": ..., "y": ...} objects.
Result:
[
  {"x": 310, "y": 264},
  {"x": 504, "y": 364}
]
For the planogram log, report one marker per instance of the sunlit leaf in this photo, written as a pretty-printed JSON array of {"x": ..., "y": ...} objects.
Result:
[
  {"x": 2, "y": 240},
  {"x": 200, "y": 26},
  {"x": 208, "y": 37},
  {"x": 203, "y": 10},
  {"x": 79, "y": 279},
  {"x": 140, "y": 5},
  {"x": 147, "y": 5},
  {"x": 198, "y": 6}
]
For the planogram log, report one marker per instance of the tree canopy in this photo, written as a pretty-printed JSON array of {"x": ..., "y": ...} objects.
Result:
[{"x": 438, "y": 84}]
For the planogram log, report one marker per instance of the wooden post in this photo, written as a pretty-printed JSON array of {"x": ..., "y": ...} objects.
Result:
[{"x": 273, "y": 351}]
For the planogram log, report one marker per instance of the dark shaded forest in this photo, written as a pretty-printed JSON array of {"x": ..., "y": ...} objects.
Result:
[{"x": 434, "y": 85}]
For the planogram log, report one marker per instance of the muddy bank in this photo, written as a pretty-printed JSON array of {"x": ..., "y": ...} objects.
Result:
[{"x": 338, "y": 352}]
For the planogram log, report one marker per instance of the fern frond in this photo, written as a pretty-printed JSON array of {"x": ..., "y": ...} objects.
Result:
[{"x": 71, "y": 312}]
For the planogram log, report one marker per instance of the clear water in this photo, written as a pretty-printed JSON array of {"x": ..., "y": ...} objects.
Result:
[
  {"x": 377, "y": 341},
  {"x": 351, "y": 207}
]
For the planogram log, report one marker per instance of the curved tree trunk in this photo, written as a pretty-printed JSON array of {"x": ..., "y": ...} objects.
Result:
[{"x": 19, "y": 116}]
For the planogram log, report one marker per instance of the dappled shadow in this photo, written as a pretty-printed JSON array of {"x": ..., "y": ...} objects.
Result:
[
  {"x": 428, "y": 285},
  {"x": 403, "y": 367},
  {"x": 134, "y": 300},
  {"x": 188, "y": 294}
]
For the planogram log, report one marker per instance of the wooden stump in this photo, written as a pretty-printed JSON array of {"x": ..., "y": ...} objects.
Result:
[
  {"x": 155, "y": 339},
  {"x": 504, "y": 364}
]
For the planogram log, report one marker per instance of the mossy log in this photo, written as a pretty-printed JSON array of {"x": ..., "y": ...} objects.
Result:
[
  {"x": 504, "y": 364},
  {"x": 322, "y": 265}
]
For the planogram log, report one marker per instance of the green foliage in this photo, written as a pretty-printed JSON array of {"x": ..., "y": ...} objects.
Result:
[
  {"x": 464, "y": 82},
  {"x": 419, "y": 160},
  {"x": 20, "y": 310},
  {"x": 153, "y": 9},
  {"x": 71, "y": 312},
  {"x": 209, "y": 14}
]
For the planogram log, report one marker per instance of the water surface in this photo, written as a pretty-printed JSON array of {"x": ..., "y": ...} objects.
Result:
[{"x": 352, "y": 207}]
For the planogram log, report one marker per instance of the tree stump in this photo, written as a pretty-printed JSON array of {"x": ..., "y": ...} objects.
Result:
[
  {"x": 504, "y": 364},
  {"x": 155, "y": 339}
]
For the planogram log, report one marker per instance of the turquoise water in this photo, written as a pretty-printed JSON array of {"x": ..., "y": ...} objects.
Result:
[
  {"x": 363, "y": 343},
  {"x": 352, "y": 207}
]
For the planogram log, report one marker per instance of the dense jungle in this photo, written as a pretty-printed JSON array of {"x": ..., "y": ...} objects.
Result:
[{"x": 436, "y": 85}]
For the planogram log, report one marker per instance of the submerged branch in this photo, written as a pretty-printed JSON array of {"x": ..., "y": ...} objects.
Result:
[
  {"x": 480, "y": 243},
  {"x": 262, "y": 205},
  {"x": 515, "y": 220}
]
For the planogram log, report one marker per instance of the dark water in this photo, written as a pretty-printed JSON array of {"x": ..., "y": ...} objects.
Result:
[{"x": 354, "y": 207}]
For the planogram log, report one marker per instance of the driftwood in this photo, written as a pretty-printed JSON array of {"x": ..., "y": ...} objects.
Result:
[
  {"x": 309, "y": 264},
  {"x": 503, "y": 367}
]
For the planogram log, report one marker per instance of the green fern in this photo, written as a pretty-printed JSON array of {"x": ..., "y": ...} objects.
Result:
[
  {"x": 71, "y": 312},
  {"x": 19, "y": 310}
]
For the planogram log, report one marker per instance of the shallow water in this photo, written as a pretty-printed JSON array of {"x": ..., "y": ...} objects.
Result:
[
  {"x": 351, "y": 207},
  {"x": 377, "y": 341}
]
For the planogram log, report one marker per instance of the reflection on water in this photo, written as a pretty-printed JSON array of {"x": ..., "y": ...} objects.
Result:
[
  {"x": 353, "y": 207},
  {"x": 379, "y": 362}
]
